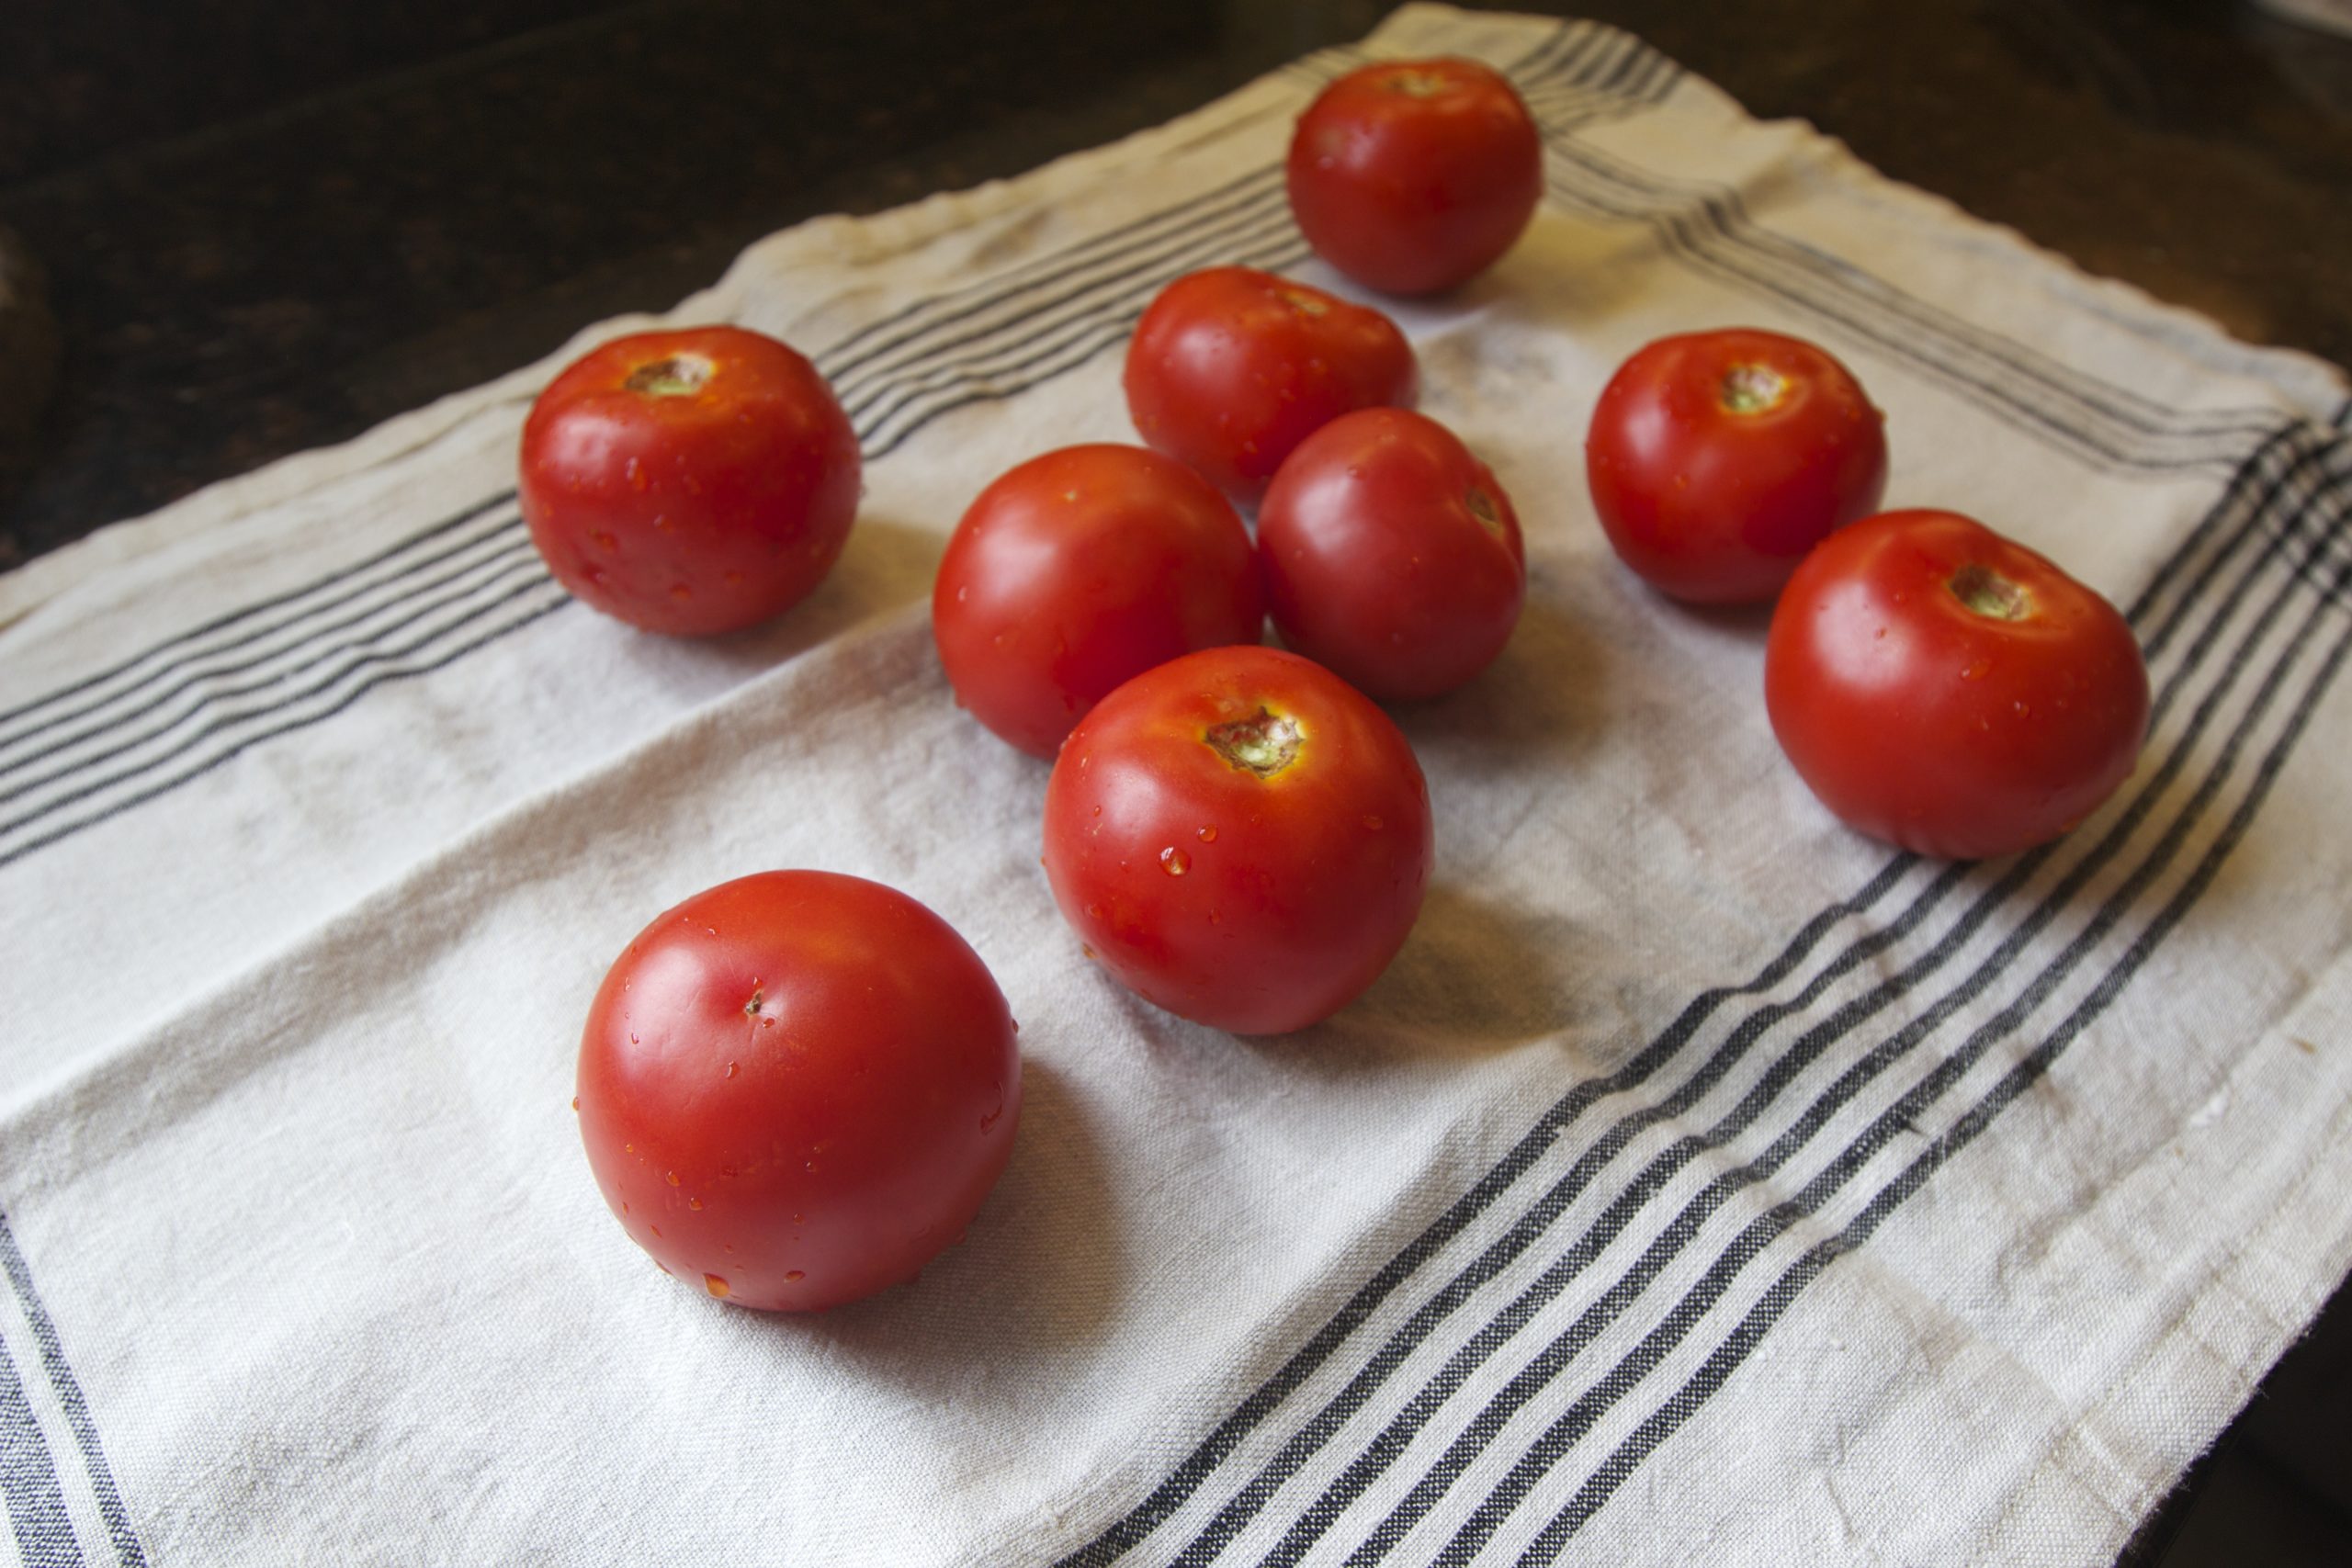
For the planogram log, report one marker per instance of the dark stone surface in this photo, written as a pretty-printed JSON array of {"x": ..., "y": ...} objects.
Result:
[
  {"x": 29, "y": 350},
  {"x": 270, "y": 225}
]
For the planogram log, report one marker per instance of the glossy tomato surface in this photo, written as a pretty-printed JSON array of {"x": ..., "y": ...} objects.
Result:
[
  {"x": 1717, "y": 459},
  {"x": 798, "y": 1087},
  {"x": 689, "y": 482},
  {"x": 1414, "y": 176},
  {"x": 1239, "y": 837},
  {"x": 1078, "y": 570},
  {"x": 1391, "y": 556},
  {"x": 1231, "y": 368},
  {"x": 1949, "y": 690}
]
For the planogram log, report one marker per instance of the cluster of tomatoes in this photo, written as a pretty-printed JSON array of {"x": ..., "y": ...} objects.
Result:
[{"x": 798, "y": 1085}]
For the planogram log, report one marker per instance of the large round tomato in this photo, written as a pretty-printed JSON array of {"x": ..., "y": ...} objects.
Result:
[
  {"x": 1241, "y": 838},
  {"x": 1391, "y": 556},
  {"x": 1231, "y": 368},
  {"x": 1413, "y": 175},
  {"x": 1949, "y": 690},
  {"x": 689, "y": 482},
  {"x": 795, "y": 1088},
  {"x": 1717, "y": 459},
  {"x": 1078, "y": 570}
]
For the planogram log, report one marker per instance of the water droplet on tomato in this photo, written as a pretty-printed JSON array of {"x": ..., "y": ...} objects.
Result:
[
  {"x": 575, "y": 1102},
  {"x": 795, "y": 1274},
  {"x": 637, "y": 475},
  {"x": 1207, "y": 835},
  {"x": 605, "y": 541},
  {"x": 1094, "y": 912},
  {"x": 1372, "y": 822},
  {"x": 672, "y": 1176},
  {"x": 963, "y": 594},
  {"x": 1976, "y": 671},
  {"x": 715, "y": 1285},
  {"x": 681, "y": 592},
  {"x": 1174, "y": 862},
  {"x": 767, "y": 1020},
  {"x": 694, "y": 1203}
]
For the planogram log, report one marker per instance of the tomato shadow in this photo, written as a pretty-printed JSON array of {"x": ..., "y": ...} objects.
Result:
[
  {"x": 1535, "y": 706},
  {"x": 1476, "y": 976},
  {"x": 1037, "y": 1275},
  {"x": 1749, "y": 623},
  {"x": 884, "y": 566}
]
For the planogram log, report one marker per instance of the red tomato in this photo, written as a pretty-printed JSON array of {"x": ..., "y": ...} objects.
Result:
[
  {"x": 1078, "y": 570},
  {"x": 1231, "y": 368},
  {"x": 1391, "y": 556},
  {"x": 1950, "y": 690},
  {"x": 1241, "y": 838},
  {"x": 1413, "y": 175},
  {"x": 795, "y": 1088},
  {"x": 689, "y": 482},
  {"x": 1717, "y": 459}
]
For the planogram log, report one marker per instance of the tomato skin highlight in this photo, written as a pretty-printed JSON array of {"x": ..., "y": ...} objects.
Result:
[
  {"x": 1230, "y": 368},
  {"x": 1391, "y": 556},
  {"x": 1958, "y": 732},
  {"x": 1413, "y": 176},
  {"x": 1259, "y": 903},
  {"x": 801, "y": 1085},
  {"x": 1078, "y": 569},
  {"x": 689, "y": 483},
  {"x": 1714, "y": 502}
]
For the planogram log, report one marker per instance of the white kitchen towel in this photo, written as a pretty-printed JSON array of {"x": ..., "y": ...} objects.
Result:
[{"x": 1703, "y": 1183}]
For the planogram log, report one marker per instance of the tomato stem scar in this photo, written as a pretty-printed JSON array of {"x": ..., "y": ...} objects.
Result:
[
  {"x": 1988, "y": 593},
  {"x": 1415, "y": 83},
  {"x": 1263, "y": 744},
  {"x": 1482, "y": 506},
  {"x": 680, "y": 376},
  {"x": 751, "y": 1007},
  {"x": 1753, "y": 388}
]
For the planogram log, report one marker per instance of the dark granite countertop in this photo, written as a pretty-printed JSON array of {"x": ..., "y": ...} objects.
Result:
[{"x": 269, "y": 226}]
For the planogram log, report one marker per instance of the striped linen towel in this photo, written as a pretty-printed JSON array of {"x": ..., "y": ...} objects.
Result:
[{"x": 1703, "y": 1184}]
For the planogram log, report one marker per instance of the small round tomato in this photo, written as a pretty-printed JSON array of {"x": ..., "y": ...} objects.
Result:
[
  {"x": 1241, "y": 838},
  {"x": 795, "y": 1088},
  {"x": 1950, "y": 690},
  {"x": 1717, "y": 459},
  {"x": 1391, "y": 556},
  {"x": 689, "y": 482},
  {"x": 1231, "y": 368},
  {"x": 1413, "y": 175},
  {"x": 1078, "y": 570}
]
